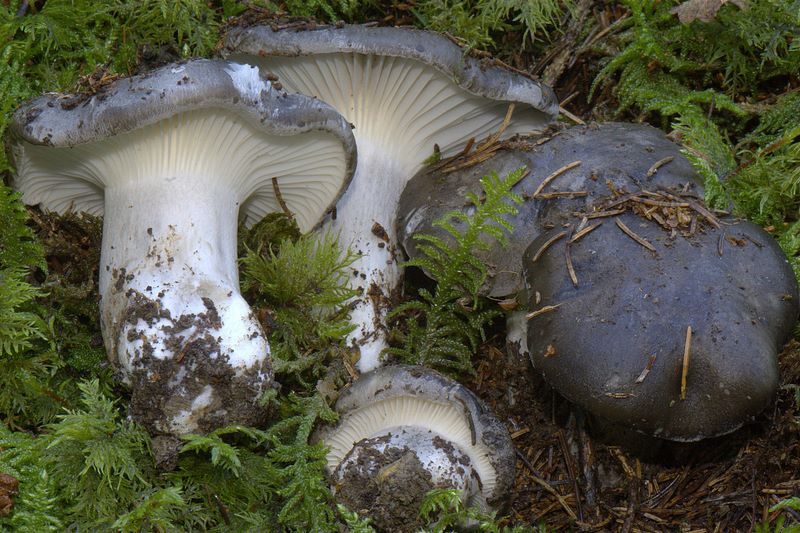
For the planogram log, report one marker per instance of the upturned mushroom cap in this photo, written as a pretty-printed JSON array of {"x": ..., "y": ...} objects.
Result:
[
  {"x": 218, "y": 116},
  {"x": 443, "y": 418},
  {"x": 616, "y": 343},
  {"x": 406, "y": 92},
  {"x": 618, "y": 153},
  {"x": 171, "y": 158}
]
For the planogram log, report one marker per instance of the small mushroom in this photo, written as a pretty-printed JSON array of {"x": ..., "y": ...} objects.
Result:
[
  {"x": 408, "y": 93},
  {"x": 173, "y": 159},
  {"x": 404, "y": 430}
]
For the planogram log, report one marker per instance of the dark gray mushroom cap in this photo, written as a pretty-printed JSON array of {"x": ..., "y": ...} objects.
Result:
[
  {"x": 615, "y": 343},
  {"x": 124, "y": 106},
  {"x": 480, "y": 77},
  {"x": 397, "y": 396},
  {"x": 612, "y": 152}
]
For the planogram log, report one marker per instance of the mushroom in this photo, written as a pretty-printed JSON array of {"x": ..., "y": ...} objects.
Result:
[
  {"x": 680, "y": 343},
  {"x": 569, "y": 155},
  {"x": 608, "y": 323},
  {"x": 409, "y": 93},
  {"x": 404, "y": 430},
  {"x": 172, "y": 159}
]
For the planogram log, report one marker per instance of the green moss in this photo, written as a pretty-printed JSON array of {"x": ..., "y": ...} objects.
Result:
[
  {"x": 480, "y": 23},
  {"x": 300, "y": 287},
  {"x": 705, "y": 81}
]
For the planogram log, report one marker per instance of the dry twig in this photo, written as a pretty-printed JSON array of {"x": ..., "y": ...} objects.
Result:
[{"x": 687, "y": 347}]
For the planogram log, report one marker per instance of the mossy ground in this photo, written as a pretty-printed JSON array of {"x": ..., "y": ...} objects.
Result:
[{"x": 727, "y": 87}]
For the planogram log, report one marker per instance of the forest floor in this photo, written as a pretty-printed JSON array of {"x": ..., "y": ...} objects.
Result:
[{"x": 573, "y": 474}]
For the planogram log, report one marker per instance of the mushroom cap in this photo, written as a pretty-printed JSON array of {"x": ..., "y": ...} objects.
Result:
[
  {"x": 382, "y": 401},
  {"x": 403, "y": 89},
  {"x": 431, "y": 192},
  {"x": 480, "y": 77},
  {"x": 60, "y": 142},
  {"x": 615, "y": 344}
]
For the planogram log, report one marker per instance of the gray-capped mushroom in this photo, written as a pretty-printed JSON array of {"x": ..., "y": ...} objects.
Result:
[
  {"x": 581, "y": 161},
  {"x": 681, "y": 342},
  {"x": 406, "y": 92},
  {"x": 617, "y": 152},
  {"x": 404, "y": 430},
  {"x": 621, "y": 258},
  {"x": 174, "y": 159}
]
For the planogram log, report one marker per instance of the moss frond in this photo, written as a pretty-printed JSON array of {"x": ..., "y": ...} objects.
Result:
[
  {"x": 479, "y": 23},
  {"x": 301, "y": 285}
]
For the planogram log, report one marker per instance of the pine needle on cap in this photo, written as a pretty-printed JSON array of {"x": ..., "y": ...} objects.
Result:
[
  {"x": 629, "y": 232},
  {"x": 570, "y": 267},
  {"x": 561, "y": 194},
  {"x": 543, "y": 310},
  {"x": 584, "y": 231},
  {"x": 648, "y": 367},
  {"x": 687, "y": 348},
  {"x": 547, "y": 245},
  {"x": 658, "y": 164},
  {"x": 553, "y": 176}
]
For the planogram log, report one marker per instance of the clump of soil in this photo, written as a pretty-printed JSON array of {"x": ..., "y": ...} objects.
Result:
[
  {"x": 388, "y": 487},
  {"x": 9, "y": 486},
  {"x": 162, "y": 389}
]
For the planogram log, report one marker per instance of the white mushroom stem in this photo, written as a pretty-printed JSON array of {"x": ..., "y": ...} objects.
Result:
[
  {"x": 367, "y": 202},
  {"x": 172, "y": 241},
  {"x": 517, "y": 332}
]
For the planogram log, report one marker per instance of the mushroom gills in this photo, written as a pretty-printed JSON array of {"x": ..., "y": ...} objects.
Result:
[{"x": 417, "y": 417}]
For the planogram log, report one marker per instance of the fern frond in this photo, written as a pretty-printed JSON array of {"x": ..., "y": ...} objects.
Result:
[{"x": 439, "y": 331}]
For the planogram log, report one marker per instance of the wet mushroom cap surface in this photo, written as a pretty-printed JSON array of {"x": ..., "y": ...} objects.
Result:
[
  {"x": 594, "y": 330},
  {"x": 617, "y": 342},
  {"x": 443, "y": 418},
  {"x": 618, "y": 153}
]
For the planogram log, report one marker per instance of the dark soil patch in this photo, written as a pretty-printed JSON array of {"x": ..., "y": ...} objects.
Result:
[{"x": 388, "y": 486}]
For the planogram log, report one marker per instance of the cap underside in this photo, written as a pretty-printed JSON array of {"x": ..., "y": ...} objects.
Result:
[
  {"x": 210, "y": 146},
  {"x": 400, "y": 103},
  {"x": 444, "y": 419}
]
